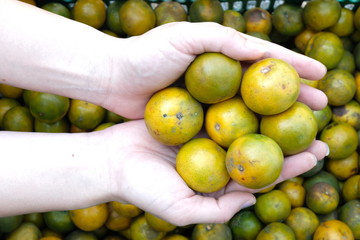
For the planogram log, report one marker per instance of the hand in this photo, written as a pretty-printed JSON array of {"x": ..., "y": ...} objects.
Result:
[
  {"x": 159, "y": 57},
  {"x": 149, "y": 180}
]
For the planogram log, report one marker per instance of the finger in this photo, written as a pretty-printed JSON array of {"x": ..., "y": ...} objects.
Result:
[
  {"x": 312, "y": 97},
  {"x": 319, "y": 149},
  {"x": 201, "y": 209}
]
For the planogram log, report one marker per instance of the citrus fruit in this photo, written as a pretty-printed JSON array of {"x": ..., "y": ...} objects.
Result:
[
  {"x": 303, "y": 222},
  {"x": 321, "y": 176},
  {"x": 201, "y": 164},
  {"x": 206, "y": 11},
  {"x": 339, "y": 86},
  {"x": 254, "y": 160},
  {"x": 294, "y": 129},
  {"x": 10, "y": 223},
  {"x": 341, "y": 138},
  {"x": 295, "y": 192},
  {"x": 276, "y": 231},
  {"x": 9, "y": 91},
  {"x": 321, "y": 14},
  {"x": 85, "y": 115},
  {"x": 59, "y": 126},
  {"x": 117, "y": 222},
  {"x": 113, "y": 17},
  {"x": 169, "y": 11},
  {"x": 175, "y": 237},
  {"x": 287, "y": 19},
  {"x": 227, "y": 120},
  {"x": 350, "y": 214},
  {"x": 140, "y": 229},
  {"x": 26, "y": 230},
  {"x": 323, "y": 117},
  {"x": 213, "y": 77},
  {"x": 310, "y": 83},
  {"x": 302, "y": 38},
  {"x": 125, "y": 209},
  {"x": 351, "y": 188},
  {"x": 333, "y": 229},
  {"x": 273, "y": 206},
  {"x": 326, "y": 47},
  {"x": 48, "y": 107},
  {"x": 270, "y": 86},
  {"x": 345, "y": 24},
  {"x": 260, "y": 35},
  {"x": 18, "y": 118},
  {"x": 81, "y": 235},
  {"x": 57, "y": 8},
  {"x": 258, "y": 20},
  {"x": 347, "y": 113},
  {"x": 136, "y": 17},
  {"x": 234, "y": 19},
  {"x": 90, "y": 218},
  {"x": 158, "y": 223},
  {"x": 59, "y": 221},
  {"x": 37, "y": 218},
  {"x": 245, "y": 225},
  {"x": 90, "y": 12},
  {"x": 342, "y": 169},
  {"x": 322, "y": 198},
  {"x": 211, "y": 231},
  {"x": 172, "y": 116},
  {"x": 347, "y": 62},
  {"x": 5, "y": 105}
]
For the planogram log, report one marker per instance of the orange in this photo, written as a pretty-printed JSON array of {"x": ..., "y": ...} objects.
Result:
[
  {"x": 287, "y": 19},
  {"x": 227, "y": 120},
  {"x": 260, "y": 35},
  {"x": 234, "y": 19},
  {"x": 350, "y": 214},
  {"x": 211, "y": 231},
  {"x": 341, "y": 138},
  {"x": 48, "y": 107},
  {"x": 258, "y": 20},
  {"x": 294, "y": 129},
  {"x": 61, "y": 125},
  {"x": 19, "y": 119},
  {"x": 169, "y": 11},
  {"x": 345, "y": 25},
  {"x": 35, "y": 218},
  {"x": 321, "y": 14},
  {"x": 57, "y": 8},
  {"x": 339, "y": 86},
  {"x": 295, "y": 192},
  {"x": 322, "y": 198},
  {"x": 347, "y": 62},
  {"x": 206, "y": 11},
  {"x": 172, "y": 116},
  {"x": 323, "y": 117},
  {"x": 201, "y": 164},
  {"x": 357, "y": 82},
  {"x": 276, "y": 231},
  {"x": 213, "y": 77},
  {"x": 301, "y": 39},
  {"x": 254, "y": 160},
  {"x": 50, "y": 238},
  {"x": 303, "y": 222},
  {"x": 81, "y": 235},
  {"x": 10, "y": 223},
  {"x": 310, "y": 83},
  {"x": 8, "y": 91},
  {"x": 333, "y": 229},
  {"x": 158, "y": 224},
  {"x": 136, "y": 17},
  {"x": 245, "y": 225},
  {"x": 273, "y": 206},
  {"x": 342, "y": 169},
  {"x": 270, "y": 86},
  {"x": 141, "y": 230},
  {"x": 125, "y": 209},
  {"x": 114, "y": 118},
  {"x": 85, "y": 115},
  {"x": 59, "y": 221},
  {"x": 26, "y": 230},
  {"x": 175, "y": 237},
  {"x": 5, "y": 105},
  {"x": 103, "y": 126},
  {"x": 117, "y": 222},
  {"x": 351, "y": 188},
  {"x": 32, "y": 2},
  {"x": 321, "y": 176},
  {"x": 113, "y": 17},
  {"x": 357, "y": 18},
  {"x": 326, "y": 47},
  {"x": 90, "y": 218},
  {"x": 347, "y": 113},
  {"x": 90, "y": 12}
]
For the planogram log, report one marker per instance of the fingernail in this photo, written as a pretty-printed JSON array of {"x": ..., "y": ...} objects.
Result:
[
  {"x": 314, "y": 159},
  {"x": 249, "y": 203},
  {"x": 328, "y": 150}
]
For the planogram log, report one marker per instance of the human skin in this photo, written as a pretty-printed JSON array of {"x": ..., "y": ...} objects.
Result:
[{"x": 41, "y": 172}]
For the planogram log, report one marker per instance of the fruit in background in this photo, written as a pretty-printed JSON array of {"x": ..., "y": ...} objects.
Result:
[
  {"x": 26, "y": 230},
  {"x": 169, "y": 11},
  {"x": 270, "y": 86},
  {"x": 342, "y": 169},
  {"x": 57, "y": 8},
  {"x": 158, "y": 224},
  {"x": 140, "y": 229},
  {"x": 254, "y": 160},
  {"x": 5, "y": 105},
  {"x": 201, "y": 164},
  {"x": 113, "y": 17},
  {"x": 294, "y": 129},
  {"x": 18, "y": 118},
  {"x": 136, "y": 17},
  {"x": 211, "y": 231},
  {"x": 321, "y": 14},
  {"x": 90, "y": 12},
  {"x": 126, "y": 210},
  {"x": 323, "y": 117},
  {"x": 303, "y": 222},
  {"x": 326, "y": 47},
  {"x": 90, "y": 218},
  {"x": 351, "y": 188},
  {"x": 258, "y": 20},
  {"x": 234, "y": 19},
  {"x": 227, "y": 120},
  {"x": 347, "y": 62},
  {"x": 348, "y": 113},
  {"x": 10, "y": 223},
  {"x": 245, "y": 225},
  {"x": 350, "y": 214},
  {"x": 287, "y": 19},
  {"x": 8, "y": 91},
  {"x": 333, "y": 229},
  {"x": 295, "y": 192},
  {"x": 172, "y": 116},
  {"x": 301, "y": 39},
  {"x": 206, "y": 11},
  {"x": 322, "y": 198},
  {"x": 276, "y": 230},
  {"x": 345, "y": 25},
  {"x": 213, "y": 77}
]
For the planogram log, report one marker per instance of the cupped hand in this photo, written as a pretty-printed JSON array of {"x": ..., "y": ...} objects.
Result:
[
  {"x": 148, "y": 179},
  {"x": 150, "y": 62}
]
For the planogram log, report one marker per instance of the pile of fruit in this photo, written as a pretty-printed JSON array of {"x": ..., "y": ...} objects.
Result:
[{"x": 265, "y": 126}]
